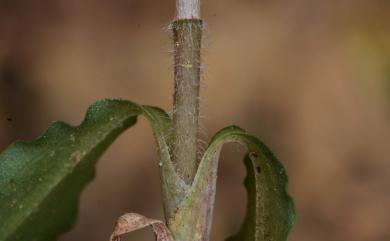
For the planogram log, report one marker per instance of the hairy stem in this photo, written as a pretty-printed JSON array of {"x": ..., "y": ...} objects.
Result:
[
  {"x": 187, "y": 35},
  {"x": 188, "y": 9}
]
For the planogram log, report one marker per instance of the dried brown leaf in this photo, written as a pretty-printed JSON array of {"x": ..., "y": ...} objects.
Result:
[{"x": 130, "y": 222}]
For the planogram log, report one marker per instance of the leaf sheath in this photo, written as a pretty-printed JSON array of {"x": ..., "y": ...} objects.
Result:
[{"x": 270, "y": 213}]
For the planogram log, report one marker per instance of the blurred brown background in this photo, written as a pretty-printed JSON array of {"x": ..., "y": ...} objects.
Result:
[{"x": 309, "y": 77}]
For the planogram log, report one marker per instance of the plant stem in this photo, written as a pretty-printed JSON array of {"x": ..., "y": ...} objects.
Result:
[
  {"x": 187, "y": 35},
  {"x": 188, "y": 9}
]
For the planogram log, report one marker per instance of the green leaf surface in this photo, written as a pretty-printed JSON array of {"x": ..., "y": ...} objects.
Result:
[
  {"x": 41, "y": 180},
  {"x": 270, "y": 210}
]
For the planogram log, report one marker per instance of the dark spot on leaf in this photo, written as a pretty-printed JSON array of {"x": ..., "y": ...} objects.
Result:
[
  {"x": 258, "y": 169},
  {"x": 9, "y": 119},
  {"x": 253, "y": 155}
]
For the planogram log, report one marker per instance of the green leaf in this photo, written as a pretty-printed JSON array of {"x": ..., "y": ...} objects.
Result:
[
  {"x": 269, "y": 219},
  {"x": 270, "y": 210},
  {"x": 41, "y": 180}
]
